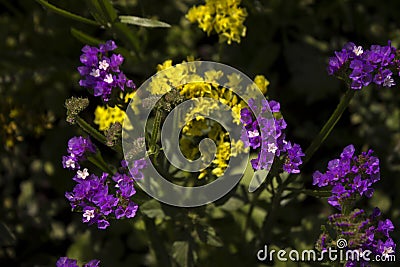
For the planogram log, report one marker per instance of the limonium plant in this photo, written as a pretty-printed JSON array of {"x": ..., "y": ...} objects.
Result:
[{"x": 108, "y": 192}]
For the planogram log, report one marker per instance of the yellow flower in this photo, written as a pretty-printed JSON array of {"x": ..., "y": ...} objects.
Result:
[
  {"x": 262, "y": 83},
  {"x": 225, "y": 17},
  {"x": 205, "y": 92},
  {"x": 165, "y": 65},
  {"x": 104, "y": 116}
]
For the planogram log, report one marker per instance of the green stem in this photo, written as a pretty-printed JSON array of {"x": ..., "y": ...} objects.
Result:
[
  {"x": 313, "y": 193},
  {"x": 157, "y": 243},
  {"x": 329, "y": 125},
  {"x": 67, "y": 14},
  {"x": 94, "y": 133},
  {"x": 98, "y": 160},
  {"x": 154, "y": 133}
]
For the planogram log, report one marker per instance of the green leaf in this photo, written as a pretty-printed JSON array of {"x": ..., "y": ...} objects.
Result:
[
  {"x": 103, "y": 11},
  {"x": 233, "y": 204},
  {"x": 67, "y": 14},
  {"x": 151, "y": 23},
  {"x": 152, "y": 209},
  {"x": 208, "y": 235},
  {"x": 7, "y": 238},
  {"x": 180, "y": 253},
  {"x": 108, "y": 10}
]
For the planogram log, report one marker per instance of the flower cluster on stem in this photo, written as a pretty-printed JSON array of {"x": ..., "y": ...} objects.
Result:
[
  {"x": 349, "y": 176},
  {"x": 101, "y": 72},
  {"x": 362, "y": 232},
  {"x": 103, "y": 197},
  {"x": 259, "y": 133},
  {"x": 378, "y": 65},
  {"x": 78, "y": 147}
]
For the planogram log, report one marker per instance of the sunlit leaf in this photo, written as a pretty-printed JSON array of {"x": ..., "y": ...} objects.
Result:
[{"x": 151, "y": 23}]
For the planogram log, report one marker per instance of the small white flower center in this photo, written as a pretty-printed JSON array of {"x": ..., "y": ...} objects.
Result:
[
  {"x": 88, "y": 215},
  {"x": 387, "y": 251},
  {"x": 103, "y": 65},
  {"x": 83, "y": 174},
  {"x": 358, "y": 50},
  {"x": 272, "y": 148},
  {"x": 70, "y": 163},
  {"x": 117, "y": 185},
  {"x": 95, "y": 72},
  {"x": 108, "y": 78},
  {"x": 254, "y": 133},
  {"x": 388, "y": 82}
]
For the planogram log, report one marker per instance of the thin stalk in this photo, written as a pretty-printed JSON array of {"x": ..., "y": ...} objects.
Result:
[
  {"x": 155, "y": 130},
  {"x": 157, "y": 243},
  {"x": 95, "y": 134},
  {"x": 329, "y": 125},
  {"x": 98, "y": 160},
  {"x": 316, "y": 143}
]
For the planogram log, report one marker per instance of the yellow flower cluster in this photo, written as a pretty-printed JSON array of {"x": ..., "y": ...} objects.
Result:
[
  {"x": 204, "y": 91},
  {"x": 104, "y": 116},
  {"x": 225, "y": 17}
]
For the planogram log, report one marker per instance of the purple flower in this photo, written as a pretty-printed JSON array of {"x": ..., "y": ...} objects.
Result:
[
  {"x": 102, "y": 224},
  {"x": 101, "y": 72},
  {"x": 386, "y": 248},
  {"x": 385, "y": 227},
  {"x": 374, "y": 65},
  {"x": 92, "y": 263},
  {"x": 92, "y": 194},
  {"x": 259, "y": 132},
  {"x": 361, "y": 232},
  {"x": 129, "y": 211},
  {"x": 293, "y": 160},
  {"x": 66, "y": 262},
  {"x": 78, "y": 146},
  {"x": 349, "y": 175}
]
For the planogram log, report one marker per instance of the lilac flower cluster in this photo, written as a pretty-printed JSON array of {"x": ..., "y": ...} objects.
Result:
[
  {"x": 78, "y": 146},
  {"x": 271, "y": 143},
  {"x": 100, "y": 198},
  {"x": 349, "y": 176},
  {"x": 67, "y": 262},
  {"x": 362, "y": 233},
  {"x": 377, "y": 65},
  {"x": 101, "y": 72}
]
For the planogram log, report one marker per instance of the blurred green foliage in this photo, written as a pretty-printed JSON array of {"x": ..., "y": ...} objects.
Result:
[{"x": 287, "y": 41}]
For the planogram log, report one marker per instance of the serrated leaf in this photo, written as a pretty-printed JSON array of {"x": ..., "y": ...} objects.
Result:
[
  {"x": 152, "y": 209},
  {"x": 144, "y": 22},
  {"x": 180, "y": 253}
]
